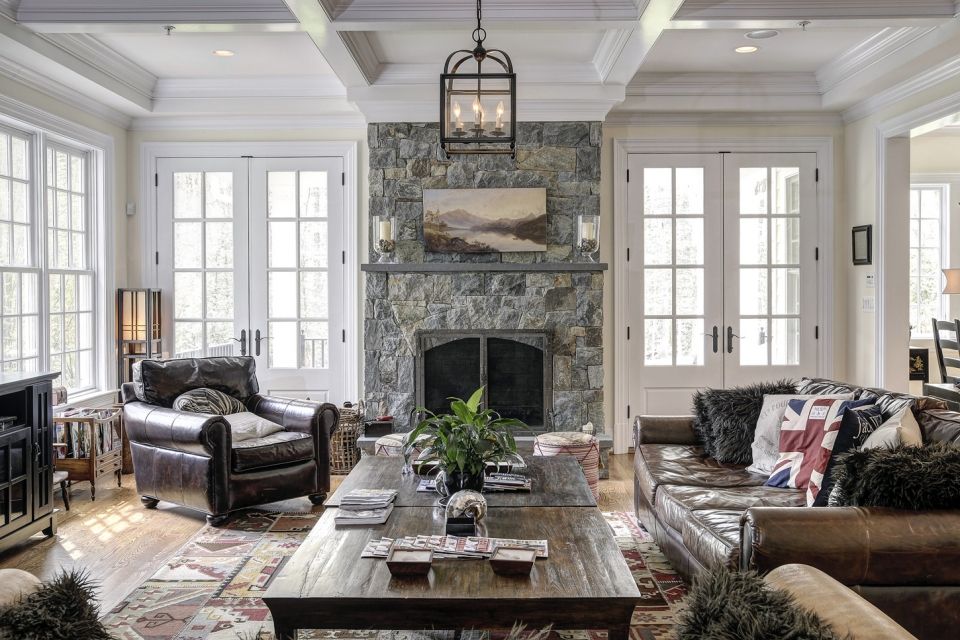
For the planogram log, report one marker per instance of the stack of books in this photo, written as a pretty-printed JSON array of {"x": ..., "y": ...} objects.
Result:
[
  {"x": 452, "y": 546},
  {"x": 365, "y": 507},
  {"x": 506, "y": 482}
]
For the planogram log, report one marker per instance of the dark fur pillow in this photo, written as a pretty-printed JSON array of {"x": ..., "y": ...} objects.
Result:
[
  {"x": 905, "y": 477},
  {"x": 65, "y": 607},
  {"x": 731, "y": 418},
  {"x": 725, "y": 605},
  {"x": 701, "y": 421}
]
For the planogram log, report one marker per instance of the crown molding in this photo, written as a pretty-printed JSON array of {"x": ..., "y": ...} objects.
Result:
[
  {"x": 611, "y": 48},
  {"x": 723, "y": 118},
  {"x": 248, "y": 123},
  {"x": 814, "y": 9},
  {"x": 723, "y": 84},
  {"x": 8, "y": 8},
  {"x": 42, "y": 83},
  {"x": 95, "y": 53},
  {"x": 921, "y": 82},
  {"x": 360, "y": 46},
  {"x": 41, "y": 12},
  {"x": 279, "y": 87},
  {"x": 873, "y": 50},
  {"x": 381, "y": 11},
  {"x": 529, "y": 74}
]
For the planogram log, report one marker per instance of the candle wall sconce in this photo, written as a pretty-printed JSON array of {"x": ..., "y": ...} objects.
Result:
[
  {"x": 588, "y": 236},
  {"x": 385, "y": 238}
]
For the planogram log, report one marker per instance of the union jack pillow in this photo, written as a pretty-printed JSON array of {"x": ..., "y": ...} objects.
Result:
[{"x": 806, "y": 440}]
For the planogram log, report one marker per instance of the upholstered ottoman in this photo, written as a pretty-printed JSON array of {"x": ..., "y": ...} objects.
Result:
[{"x": 582, "y": 446}]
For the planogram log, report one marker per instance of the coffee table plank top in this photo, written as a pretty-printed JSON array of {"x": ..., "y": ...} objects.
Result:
[
  {"x": 557, "y": 482},
  {"x": 326, "y": 584}
]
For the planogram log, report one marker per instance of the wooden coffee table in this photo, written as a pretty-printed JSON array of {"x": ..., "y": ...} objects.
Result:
[
  {"x": 584, "y": 584},
  {"x": 557, "y": 482}
]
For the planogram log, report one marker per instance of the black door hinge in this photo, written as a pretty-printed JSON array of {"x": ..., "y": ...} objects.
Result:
[
  {"x": 247, "y": 157},
  {"x": 628, "y": 175},
  {"x": 628, "y": 333},
  {"x": 816, "y": 253},
  {"x": 343, "y": 335},
  {"x": 156, "y": 257},
  {"x": 343, "y": 257},
  {"x": 343, "y": 179},
  {"x": 628, "y": 412},
  {"x": 628, "y": 254},
  {"x": 816, "y": 332},
  {"x": 816, "y": 175},
  {"x": 156, "y": 179}
]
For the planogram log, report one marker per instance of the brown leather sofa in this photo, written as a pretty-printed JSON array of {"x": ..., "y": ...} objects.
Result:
[
  {"x": 190, "y": 458},
  {"x": 705, "y": 514}
]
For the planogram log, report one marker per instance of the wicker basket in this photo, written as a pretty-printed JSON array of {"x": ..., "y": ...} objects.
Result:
[{"x": 344, "y": 452}]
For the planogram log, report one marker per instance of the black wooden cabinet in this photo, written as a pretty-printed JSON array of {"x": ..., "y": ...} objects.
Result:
[{"x": 26, "y": 456}]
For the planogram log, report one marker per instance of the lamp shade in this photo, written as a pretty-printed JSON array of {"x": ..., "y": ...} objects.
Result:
[{"x": 952, "y": 281}]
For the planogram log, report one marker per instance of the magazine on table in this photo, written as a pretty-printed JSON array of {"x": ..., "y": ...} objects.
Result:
[
  {"x": 367, "y": 499},
  {"x": 452, "y": 546},
  {"x": 363, "y": 517},
  {"x": 491, "y": 483}
]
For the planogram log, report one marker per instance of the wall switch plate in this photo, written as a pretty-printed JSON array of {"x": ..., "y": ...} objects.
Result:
[
  {"x": 131, "y": 208},
  {"x": 871, "y": 281},
  {"x": 869, "y": 304}
]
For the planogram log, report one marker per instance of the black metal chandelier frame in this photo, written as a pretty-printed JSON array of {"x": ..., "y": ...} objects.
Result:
[{"x": 473, "y": 140}]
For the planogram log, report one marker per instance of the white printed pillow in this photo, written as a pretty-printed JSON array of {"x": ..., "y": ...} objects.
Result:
[
  {"x": 901, "y": 428},
  {"x": 766, "y": 439},
  {"x": 247, "y": 426}
]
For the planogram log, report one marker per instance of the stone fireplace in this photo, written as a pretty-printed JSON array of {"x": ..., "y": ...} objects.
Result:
[{"x": 441, "y": 324}]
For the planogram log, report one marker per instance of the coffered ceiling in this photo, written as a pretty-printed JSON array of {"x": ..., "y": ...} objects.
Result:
[{"x": 343, "y": 62}]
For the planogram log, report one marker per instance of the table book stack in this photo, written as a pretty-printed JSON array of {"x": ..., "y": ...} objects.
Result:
[{"x": 366, "y": 507}]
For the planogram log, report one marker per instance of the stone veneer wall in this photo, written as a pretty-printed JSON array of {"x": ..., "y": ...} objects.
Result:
[{"x": 562, "y": 157}]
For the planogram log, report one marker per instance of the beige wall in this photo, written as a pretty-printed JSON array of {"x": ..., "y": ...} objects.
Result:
[
  {"x": 863, "y": 182},
  {"x": 706, "y": 134}
]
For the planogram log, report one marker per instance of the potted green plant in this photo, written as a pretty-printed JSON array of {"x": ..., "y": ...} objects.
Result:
[{"x": 463, "y": 441}]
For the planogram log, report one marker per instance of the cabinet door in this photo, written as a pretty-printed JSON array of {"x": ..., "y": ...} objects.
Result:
[
  {"x": 16, "y": 480},
  {"x": 42, "y": 421}
]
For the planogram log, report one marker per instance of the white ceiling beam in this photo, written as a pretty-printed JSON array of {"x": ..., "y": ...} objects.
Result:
[
  {"x": 387, "y": 15},
  {"x": 814, "y": 10},
  {"x": 633, "y": 49},
  {"x": 50, "y": 15},
  {"x": 315, "y": 21}
]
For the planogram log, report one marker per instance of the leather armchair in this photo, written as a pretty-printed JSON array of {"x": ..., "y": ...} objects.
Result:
[{"x": 190, "y": 458}]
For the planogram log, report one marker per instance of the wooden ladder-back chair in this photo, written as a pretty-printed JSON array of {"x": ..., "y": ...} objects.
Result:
[{"x": 949, "y": 344}]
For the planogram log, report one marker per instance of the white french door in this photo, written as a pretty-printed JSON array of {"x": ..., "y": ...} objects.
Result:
[
  {"x": 244, "y": 262},
  {"x": 722, "y": 282}
]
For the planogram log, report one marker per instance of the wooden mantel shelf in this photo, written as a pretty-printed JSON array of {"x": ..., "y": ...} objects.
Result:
[{"x": 460, "y": 267}]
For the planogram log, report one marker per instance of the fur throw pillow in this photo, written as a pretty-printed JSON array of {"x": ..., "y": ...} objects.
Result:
[
  {"x": 65, "y": 607},
  {"x": 726, "y": 605},
  {"x": 729, "y": 418},
  {"x": 905, "y": 477}
]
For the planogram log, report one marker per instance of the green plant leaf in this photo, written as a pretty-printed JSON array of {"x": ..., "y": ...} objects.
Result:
[{"x": 474, "y": 402}]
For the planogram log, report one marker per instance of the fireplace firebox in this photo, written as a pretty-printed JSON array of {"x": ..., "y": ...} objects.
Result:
[{"x": 514, "y": 367}]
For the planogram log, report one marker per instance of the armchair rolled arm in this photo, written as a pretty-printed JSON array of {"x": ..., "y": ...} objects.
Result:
[
  {"x": 855, "y": 545},
  {"x": 664, "y": 430},
  {"x": 193, "y": 433}
]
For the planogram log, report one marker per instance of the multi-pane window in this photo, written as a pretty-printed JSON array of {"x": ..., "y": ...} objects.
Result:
[
  {"x": 46, "y": 267},
  {"x": 927, "y": 203},
  {"x": 19, "y": 313}
]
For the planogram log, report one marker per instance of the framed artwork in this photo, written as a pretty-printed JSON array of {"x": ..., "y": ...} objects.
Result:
[
  {"x": 485, "y": 220},
  {"x": 863, "y": 244}
]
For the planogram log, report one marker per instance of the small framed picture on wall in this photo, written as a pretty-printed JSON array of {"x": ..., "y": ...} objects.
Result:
[{"x": 863, "y": 244}]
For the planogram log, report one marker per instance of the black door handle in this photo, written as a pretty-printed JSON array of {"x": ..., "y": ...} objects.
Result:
[
  {"x": 257, "y": 338},
  {"x": 730, "y": 336},
  {"x": 243, "y": 342},
  {"x": 716, "y": 338}
]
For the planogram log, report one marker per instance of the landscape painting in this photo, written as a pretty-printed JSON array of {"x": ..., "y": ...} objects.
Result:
[{"x": 485, "y": 220}]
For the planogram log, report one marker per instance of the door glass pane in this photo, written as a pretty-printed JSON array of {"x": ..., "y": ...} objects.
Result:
[
  {"x": 753, "y": 190},
  {"x": 689, "y": 292},
  {"x": 785, "y": 291},
  {"x": 313, "y": 294},
  {"x": 689, "y": 241},
  {"x": 187, "y": 200},
  {"x": 313, "y": 244},
  {"x": 753, "y": 292},
  {"x": 283, "y": 345},
  {"x": 658, "y": 343},
  {"x": 187, "y": 243},
  {"x": 315, "y": 344},
  {"x": 754, "y": 336},
  {"x": 690, "y": 341},
  {"x": 219, "y": 194},
  {"x": 282, "y": 194},
  {"x": 689, "y": 190},
  {"x": 283, "y": 243},
  {"x": 189, "y": 339},
  {"x": 785, "y": 239},
  {"x": 786, "y": 190},
  {"x": 753, "y": 241},
  {"x": 658, "y": 292},
  {"x": 219, "y": 245},
  {"x": 188, "y": 295},
  {"x": 219, "y": 295},
  {"x": 282, "y": 294},
  {"x": 657, "y": 192},
  {"x": 657, "y": 241},
  {"x": 313, "y": 194},
  {"x": 785, "y": 341}
]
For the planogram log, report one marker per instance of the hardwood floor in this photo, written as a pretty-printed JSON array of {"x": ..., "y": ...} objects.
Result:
[{"x": 120, "y": 543}]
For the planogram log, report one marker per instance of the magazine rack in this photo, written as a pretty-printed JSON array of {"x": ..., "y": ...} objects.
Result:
[{"x": 89, "y": 444}]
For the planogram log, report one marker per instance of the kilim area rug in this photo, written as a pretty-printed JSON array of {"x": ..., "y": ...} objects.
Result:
[{"x": 211, "y": 588}]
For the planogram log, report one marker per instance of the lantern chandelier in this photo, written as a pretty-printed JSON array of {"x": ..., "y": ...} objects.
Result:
[{"x": 478, "y": 107}]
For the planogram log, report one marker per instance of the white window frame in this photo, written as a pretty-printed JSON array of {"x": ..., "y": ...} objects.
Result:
[
  {"x": 45, "y": 130},
  {"x": 925, "y": 330}
]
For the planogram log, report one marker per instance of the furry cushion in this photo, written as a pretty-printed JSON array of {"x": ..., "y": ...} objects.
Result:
[
  {"x": 701, "y": 420},
  {"x": 905, "y": 477},
  {"x": 731, "y": 416},
  {"x": 65, "y": 607},
  {"x": 726, "y": 605}
]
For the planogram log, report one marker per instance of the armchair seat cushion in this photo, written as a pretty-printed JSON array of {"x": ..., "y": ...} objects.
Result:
[{"x": 281, "y": 448}]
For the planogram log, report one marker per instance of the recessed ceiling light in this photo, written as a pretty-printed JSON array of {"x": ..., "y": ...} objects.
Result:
[
  {"x": 747, "y": 49},
  {"x": 762, "y": 34},
  {"x": 223, "y": 53}
]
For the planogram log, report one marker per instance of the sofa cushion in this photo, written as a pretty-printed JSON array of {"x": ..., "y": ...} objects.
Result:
[
  {"x": 674, "y": 502},
  {"x": 249, "y": 426},
  {"x": 858, "y": 423},
  {"x": 713, "y": 537},
  {"x": 891, "y": 403},
  {"x": 900, "y": 428},
  {"x": 666, "y": 464},
  {"x": 940, "y": 425},
  {"x": 159, "y": 382},
  {"x": 822, "y": 386},
  {"x": 283, "y": 447}
]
